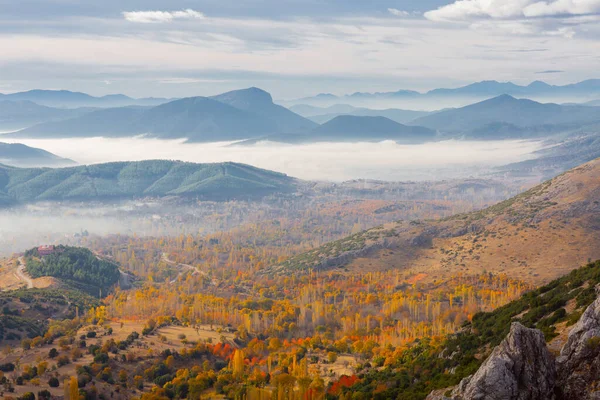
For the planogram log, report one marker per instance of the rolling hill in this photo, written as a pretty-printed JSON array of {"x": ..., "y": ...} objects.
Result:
[
  {"x": 19, "y": 155},
  {"x": 322, "y": 115},
  {"x": 507, "y": 109},
  {"x": 232, "y": 116},
  {"x": 129, "y": 180},
  {"x": 554, "y": 224},
  {"x": 349, "y": 128}
]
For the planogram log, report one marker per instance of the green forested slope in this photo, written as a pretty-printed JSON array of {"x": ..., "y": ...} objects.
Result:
[
  {"x": 124, "y": 180},
  {"x": 73, "y": 263}
]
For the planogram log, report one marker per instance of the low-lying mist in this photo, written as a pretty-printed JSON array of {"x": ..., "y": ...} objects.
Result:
[{"x": 324, "y": 161}]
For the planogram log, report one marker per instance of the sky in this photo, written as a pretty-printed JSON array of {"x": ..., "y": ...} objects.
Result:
[{"x": 292, "y": 48}]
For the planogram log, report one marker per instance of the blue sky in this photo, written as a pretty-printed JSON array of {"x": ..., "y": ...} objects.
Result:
[{"x": 292, "y": 48}]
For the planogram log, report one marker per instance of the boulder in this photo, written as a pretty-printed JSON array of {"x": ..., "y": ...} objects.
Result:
[{"x": 579, "y": 362}]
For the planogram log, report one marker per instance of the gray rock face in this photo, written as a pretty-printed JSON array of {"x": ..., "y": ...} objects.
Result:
[
  {"x": 579, "y": 361},
  {"x": 520, "y": 368}
]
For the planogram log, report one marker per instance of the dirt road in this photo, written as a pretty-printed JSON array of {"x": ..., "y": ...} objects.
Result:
[{"x": 20, "y": 273}]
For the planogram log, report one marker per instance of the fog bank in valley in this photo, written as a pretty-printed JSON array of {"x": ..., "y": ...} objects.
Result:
[{"x": 324, "y": 161}]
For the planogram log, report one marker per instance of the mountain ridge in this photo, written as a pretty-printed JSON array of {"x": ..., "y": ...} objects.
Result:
[
  {"x": 70, "y": 99},
  {"x": 489, "y": 88},
  {"x": 507, "y": 109}
]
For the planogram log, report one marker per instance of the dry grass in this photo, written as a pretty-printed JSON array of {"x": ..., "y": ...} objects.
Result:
[{"x": 9, "y": 280}]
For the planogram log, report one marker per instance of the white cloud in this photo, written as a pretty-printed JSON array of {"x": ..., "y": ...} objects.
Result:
[
  {"x": 356, "y": 50},
  {"x": 469, "y": 9},
  {"x": 398, "y": 13},
  {"x": 562, "y": 7},
  {"x": 462, "y": 10},
  {"x": 154, "y": 17}
]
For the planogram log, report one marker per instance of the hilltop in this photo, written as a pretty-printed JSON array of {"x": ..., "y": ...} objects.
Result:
[
  {"x": 129, "y": 180},
  {"x": 555, "y": 223}
]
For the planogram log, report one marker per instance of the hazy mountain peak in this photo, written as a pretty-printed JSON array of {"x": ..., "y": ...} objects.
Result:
[
  {"x": 501, "y": 99},
  {"x": 538, "y": 85},
  {"x": 244, "y": 98}
]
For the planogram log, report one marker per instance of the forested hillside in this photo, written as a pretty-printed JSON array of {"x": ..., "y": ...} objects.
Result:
[
  {"x": 129, "y": 180},
  {"x": 210, "y": 315},
  {"x": 72, "y": 264},
  {"x": 430, "y": 364}
]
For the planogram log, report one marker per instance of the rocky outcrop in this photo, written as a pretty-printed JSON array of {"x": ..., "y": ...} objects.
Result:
[
  {"x": 520, "y": 368},
  {"x": 579, "y": 362}
]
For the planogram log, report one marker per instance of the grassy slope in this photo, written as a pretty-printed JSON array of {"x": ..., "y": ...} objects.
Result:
[{"x": 556, "y": 223}]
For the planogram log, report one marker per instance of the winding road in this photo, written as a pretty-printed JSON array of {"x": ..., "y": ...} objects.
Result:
[
  {"x": 186, "y": 267},
  {"x": 20, "y": 273}
]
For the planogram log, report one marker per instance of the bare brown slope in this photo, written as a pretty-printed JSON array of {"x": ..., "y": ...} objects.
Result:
[{"x": 536, "y": 236}]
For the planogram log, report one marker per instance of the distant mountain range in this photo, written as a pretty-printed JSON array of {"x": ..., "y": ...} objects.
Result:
[
  {"x": 235, "y": 115},
  {"x": 130, "y": 180},
  {"x": 68, "y": 99},
  {"x": 443, "y": 98},
  {"x": 250, "y": 115},
  {"x": 19, "y": 155}
]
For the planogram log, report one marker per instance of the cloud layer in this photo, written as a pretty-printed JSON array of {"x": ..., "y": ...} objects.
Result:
[
  {"x": 159, "y": 17},
  {"x": 398, "y": 13},
  {"x": 142, "y": 47},
  {"x": 323, "y": 161},
  {"x": 512, "y": 9}
]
